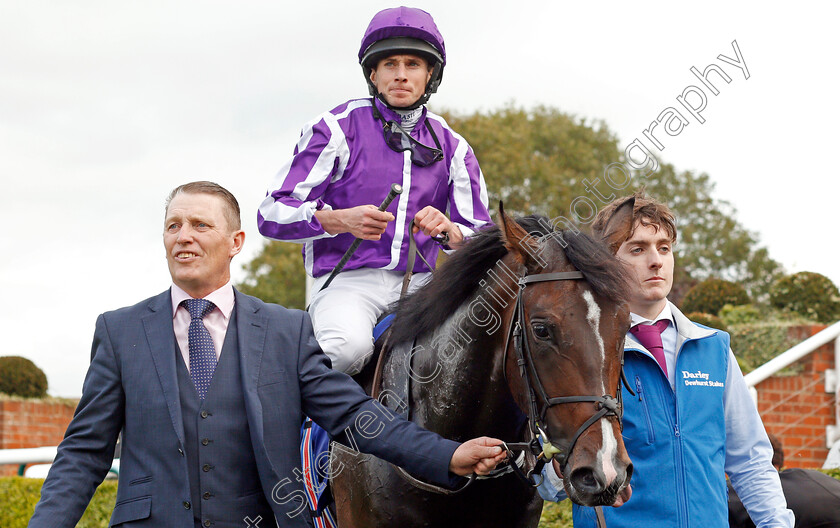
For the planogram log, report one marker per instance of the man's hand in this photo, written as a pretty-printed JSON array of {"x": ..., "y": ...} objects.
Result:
[
  {"x": 364, "y": 221},
  {"x": 479, "y": 455},
  {"x": 432, "y": 222}
]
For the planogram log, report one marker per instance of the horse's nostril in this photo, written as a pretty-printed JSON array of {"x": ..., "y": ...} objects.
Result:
[{"x": 585, "y": 480}]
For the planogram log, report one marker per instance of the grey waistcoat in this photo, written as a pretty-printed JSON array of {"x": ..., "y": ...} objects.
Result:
[{"x": 225, "y": 487}]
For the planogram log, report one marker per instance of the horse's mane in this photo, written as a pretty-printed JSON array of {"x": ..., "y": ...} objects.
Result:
[{"x": 456, "y": 280}]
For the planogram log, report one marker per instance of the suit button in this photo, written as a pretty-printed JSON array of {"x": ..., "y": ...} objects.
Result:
[
  {"x": 206, "y": 522},
  {"x": 205, "y": 441},
  {"x": 187, "y": 505},
  {"x": 206, "y": 467},
  {"x": 207, "y": 495},
  {"x": 205, "y": 414}
]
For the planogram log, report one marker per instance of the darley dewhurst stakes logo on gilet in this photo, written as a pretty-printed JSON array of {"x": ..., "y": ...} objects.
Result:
[{"x": 699, "y": 379}]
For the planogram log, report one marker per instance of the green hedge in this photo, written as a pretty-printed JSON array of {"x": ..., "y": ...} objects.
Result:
[
  {"x": 832, "y": 472},
  {"x": 713, "y": 294},
  {"x": 21, "y": 377},
  {"x": 705, "y": 319},
  {"x": 556, "y": 515},
  {"x": 809, "y": 294},
  {"x": 742, "y": 314},
  {"x": 21, "y": 494},
  {"x": 756, "y": 344}
]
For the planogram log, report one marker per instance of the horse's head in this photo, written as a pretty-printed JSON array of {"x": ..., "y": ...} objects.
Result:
[{"x": 564, "y": 366}]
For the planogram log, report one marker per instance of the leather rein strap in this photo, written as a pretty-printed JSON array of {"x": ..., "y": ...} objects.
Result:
[
  {"x": 605, "y": 405},
  {"x": 412, "y": 257}
]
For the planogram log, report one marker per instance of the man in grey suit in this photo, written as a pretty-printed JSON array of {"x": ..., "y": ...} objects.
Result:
[{"x": 209, "y": 387}]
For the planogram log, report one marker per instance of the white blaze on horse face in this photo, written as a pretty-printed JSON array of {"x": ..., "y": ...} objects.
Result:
[
  {"x": 608, "y": 452},
  {"x": 593, "y": 317},
  {"x": 609, "y": 444}
]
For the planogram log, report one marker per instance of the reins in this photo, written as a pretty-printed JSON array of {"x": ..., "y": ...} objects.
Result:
[
  {"x": 605, "y": 405},
  {"x": 412, "y": 257},
  {"x": 515, "y": 466},
  {"x": 540, "y": 445}
]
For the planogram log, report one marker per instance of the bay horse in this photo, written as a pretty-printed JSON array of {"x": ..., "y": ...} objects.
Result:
[{"x": 507, "y": 335}]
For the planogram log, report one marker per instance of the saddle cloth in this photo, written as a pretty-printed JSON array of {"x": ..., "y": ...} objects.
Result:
[{"x": 315, "y": 442}]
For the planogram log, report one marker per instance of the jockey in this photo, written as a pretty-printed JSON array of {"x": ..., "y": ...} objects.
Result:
[{"x": 346, "y": 160}]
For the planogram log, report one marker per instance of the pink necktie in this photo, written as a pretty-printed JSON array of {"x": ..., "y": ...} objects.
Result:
[{"x": 650, "y": 336}]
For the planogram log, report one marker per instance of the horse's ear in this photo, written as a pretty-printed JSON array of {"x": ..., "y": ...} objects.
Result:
[
  {"x": 517, "y": 241},
  {"x": 618, "y": 228}
]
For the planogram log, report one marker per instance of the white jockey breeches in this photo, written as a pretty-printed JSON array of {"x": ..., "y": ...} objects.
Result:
[{"x": 344, "y": 314}]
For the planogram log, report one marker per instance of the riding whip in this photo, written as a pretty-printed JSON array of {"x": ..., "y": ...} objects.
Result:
[{"x": 395, "y": 190}]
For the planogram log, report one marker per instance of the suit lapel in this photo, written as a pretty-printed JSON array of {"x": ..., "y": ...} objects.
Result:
[
  {"x": 251, "y": 326},
  {"x": 161, "y": 337}
]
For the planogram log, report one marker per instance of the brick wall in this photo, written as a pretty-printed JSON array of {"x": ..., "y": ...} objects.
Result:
[
  {"x": 32, "y": 423},
  {"x": 795, "y": 407}
]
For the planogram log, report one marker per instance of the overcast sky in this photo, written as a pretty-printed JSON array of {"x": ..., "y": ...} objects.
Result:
[{"x": 107, "y": 105}]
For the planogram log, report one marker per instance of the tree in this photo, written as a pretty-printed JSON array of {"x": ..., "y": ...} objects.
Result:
[
  {"x": 711, "y": 242},
  {"x": 544, "y": 161},
  {"x": 277, "y": 275},
  {"x": 536, "y": 161}
]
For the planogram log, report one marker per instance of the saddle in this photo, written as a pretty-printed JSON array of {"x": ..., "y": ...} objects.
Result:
[
  {"x": 315, "y": 441},
  {"x": 390, "y": 384},
  {"x": 397, "y": 357},
  {"x": 388, "y": 362}
]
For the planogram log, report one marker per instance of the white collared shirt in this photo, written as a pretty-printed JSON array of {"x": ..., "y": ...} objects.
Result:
[
  {"x": 216, "y": 321},
  {"x": 669, "y": 337}
]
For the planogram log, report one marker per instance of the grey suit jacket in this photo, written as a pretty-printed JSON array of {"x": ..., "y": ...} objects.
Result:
[{"x": 131, "y": 386}]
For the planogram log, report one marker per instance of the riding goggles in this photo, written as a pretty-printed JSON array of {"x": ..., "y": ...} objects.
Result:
[{"x": 399, "y": 140}]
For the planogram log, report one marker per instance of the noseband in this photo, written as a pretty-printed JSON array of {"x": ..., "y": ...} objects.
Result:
[{"x": 539, "y": 401}]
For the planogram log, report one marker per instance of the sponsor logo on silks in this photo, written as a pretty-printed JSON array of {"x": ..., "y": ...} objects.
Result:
[{"x": 699, "y": 379}]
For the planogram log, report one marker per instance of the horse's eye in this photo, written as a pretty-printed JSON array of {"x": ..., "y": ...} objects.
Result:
[{"x": 541, "y": 330}]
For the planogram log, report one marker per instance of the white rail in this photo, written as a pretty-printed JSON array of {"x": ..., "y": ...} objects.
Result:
[
  {"x": 832, "y": 376},
  {"x": 39, "y": 455},
  {"x": 793, "y": 355},
  {"x": 31, "y": 455}
]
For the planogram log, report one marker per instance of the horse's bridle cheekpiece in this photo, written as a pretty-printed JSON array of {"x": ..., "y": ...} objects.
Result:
[{"x": 540, "y": 445}]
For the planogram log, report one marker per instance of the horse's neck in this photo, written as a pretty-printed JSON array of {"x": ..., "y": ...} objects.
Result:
[{"x": 460, "y": 389}]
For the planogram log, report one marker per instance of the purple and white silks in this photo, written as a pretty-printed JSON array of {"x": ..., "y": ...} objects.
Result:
[{"x": 342, "y": 161}]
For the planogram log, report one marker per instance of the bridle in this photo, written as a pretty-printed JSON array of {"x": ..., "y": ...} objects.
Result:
[
  {"x": 538, "y": 399},
  {"x": 540, "y": 446}
]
